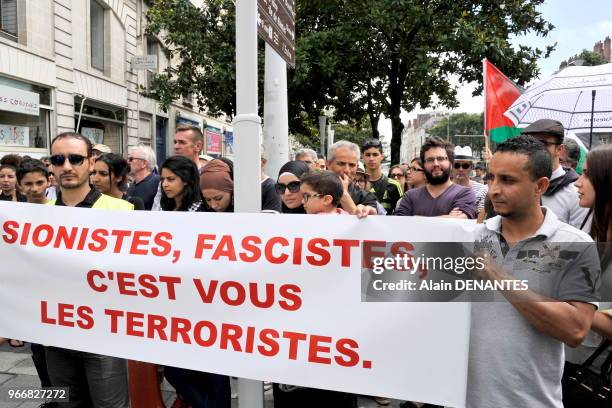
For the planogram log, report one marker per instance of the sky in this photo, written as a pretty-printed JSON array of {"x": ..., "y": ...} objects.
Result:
[{"x": 578, "y": 25}]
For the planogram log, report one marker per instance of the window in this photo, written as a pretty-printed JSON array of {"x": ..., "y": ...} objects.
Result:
[
  {"x": 97, "y": 35},
  {"x": 8, "y": 17}
]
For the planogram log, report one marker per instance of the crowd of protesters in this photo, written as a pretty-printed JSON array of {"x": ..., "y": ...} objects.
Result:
[{"x": 529, "y": 193}]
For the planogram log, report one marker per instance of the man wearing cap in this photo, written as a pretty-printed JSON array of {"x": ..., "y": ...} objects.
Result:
[
  {"x": 464, "y": 163},
  {"x": 100, "y": 149},
  {"x": 561, "y": 196},
  {"x": 388, "y": 191}
]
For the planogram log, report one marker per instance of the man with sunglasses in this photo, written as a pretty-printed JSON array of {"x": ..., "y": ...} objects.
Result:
[
  {"x": 562, "y": 195},
  {"x": 388, "y": 191},
  {"x": 440, "y": 197},
  {"x": 142, "y": 162},
  {"x": 94, "y": 380},
  {"x": 461, "y": 171}
]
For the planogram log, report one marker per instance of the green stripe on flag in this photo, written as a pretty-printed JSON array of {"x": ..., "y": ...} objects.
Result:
[
  {"x": 583, "y": 156},
  {"x": 503, "y": 133}
]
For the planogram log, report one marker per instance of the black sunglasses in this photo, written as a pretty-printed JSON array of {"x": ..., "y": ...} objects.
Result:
[
  {"x": 293, "y": 186},
  {"x": 463, "y": 166},
  {"x": 60, "y": 159}
]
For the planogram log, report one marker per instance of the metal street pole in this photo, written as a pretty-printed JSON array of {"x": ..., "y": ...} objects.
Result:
[
  {"x": 276, "y": 117},
  {"x": 322, "y": 122},
  {"x": 247, "y": 185}
]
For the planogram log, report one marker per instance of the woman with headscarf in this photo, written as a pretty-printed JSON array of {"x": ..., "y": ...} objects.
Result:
[
  {"x": 288, "y": 186},
  {"x": 217, "y": 186}
]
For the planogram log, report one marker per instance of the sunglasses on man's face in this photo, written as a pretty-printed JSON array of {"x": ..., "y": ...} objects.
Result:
[
  {"x": 293, "y": 186},
  {"x": 73, "y": 159},
  {"x": 463, "y": 166}
]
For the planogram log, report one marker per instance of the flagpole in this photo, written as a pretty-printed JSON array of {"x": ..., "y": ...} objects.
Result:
[{"x": 484, "y": 125}]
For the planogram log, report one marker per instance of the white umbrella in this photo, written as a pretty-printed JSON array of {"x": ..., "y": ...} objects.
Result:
[{"x": 578, "y": 97}]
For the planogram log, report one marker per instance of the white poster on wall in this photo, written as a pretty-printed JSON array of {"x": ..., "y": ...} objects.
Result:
[
  {"x": 95, "y": 135},
  {"x": 19, "y": 101},
  {"x": 14, "y": 135}
]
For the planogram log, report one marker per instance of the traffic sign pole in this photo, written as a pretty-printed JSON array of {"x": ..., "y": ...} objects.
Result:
[
  {"x": 247, "y": 185},
  {"x": 276, "y": 120}
]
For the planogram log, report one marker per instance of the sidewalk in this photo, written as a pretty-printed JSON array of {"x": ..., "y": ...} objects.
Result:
[{"x": 17, "y": 370}]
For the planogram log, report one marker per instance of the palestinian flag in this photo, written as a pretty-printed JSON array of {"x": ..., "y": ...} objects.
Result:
[{"x": 500, "y": 93}]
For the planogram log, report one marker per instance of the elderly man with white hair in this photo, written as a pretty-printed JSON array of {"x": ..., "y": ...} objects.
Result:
[
  {"x": 142, "y": 162},
  {"x": 343, "y": 159}
]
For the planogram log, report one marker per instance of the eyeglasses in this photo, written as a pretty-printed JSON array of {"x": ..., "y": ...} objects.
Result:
[
  {"x": 293, "y": 186},
  {"x": 463, "y": 166},
  {"x": 412, "y": 168},
  {"x": 397, "y": 175},
  {"x": 130, "y": 159},
  {"x": 308, "y": 196},
  {"x": 60, "y": 159},
  {"x": 440, "y": 159}
]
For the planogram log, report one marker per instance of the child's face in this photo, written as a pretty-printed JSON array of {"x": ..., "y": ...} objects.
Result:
[{"x": 314, "y": 203}]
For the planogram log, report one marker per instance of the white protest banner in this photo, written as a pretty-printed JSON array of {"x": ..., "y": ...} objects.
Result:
[{"x": 260, "y": 296}]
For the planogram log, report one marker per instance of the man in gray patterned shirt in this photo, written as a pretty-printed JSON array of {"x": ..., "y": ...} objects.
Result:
[{"x": 516, "y": 342}]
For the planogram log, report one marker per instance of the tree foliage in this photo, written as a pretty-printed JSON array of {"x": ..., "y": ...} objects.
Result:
[
  {"x": 586, "y": 58},
  {"x": 201, "y": 43},
  {"x": 361, "y": 58},
  {"x": 385, "y": 56}
]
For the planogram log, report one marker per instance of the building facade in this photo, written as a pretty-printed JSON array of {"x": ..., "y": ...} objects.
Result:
[
  {"x": 66, "y": 65},
  {"x": 415, "y": 133}
]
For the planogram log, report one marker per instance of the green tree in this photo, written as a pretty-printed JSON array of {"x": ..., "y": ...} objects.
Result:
[
  {"x": 459, "y": 124},
  {"x": 587, "y": 58},
  {"x": 385, "y": 56},
  {"x": 463, "y": 129},
  {"x": 202, "y": 40}
]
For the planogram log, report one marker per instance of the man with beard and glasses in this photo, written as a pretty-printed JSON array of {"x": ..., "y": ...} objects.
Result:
[{"x": 440, "y": 197}]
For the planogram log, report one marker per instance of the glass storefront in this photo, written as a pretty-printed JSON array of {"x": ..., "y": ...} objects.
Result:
[{"x": 27, "y": 131}]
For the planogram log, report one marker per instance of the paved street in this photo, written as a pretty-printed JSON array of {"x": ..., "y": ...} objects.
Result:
[{"x": 17, "y": 370}]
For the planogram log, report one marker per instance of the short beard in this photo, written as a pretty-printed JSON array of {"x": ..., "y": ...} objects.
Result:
[{"x": 434, "y": 181}]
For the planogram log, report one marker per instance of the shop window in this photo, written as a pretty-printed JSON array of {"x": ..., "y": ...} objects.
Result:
[
  {"x": 101, "y": 123},
  {"x": 28, "y": 131},
  {"x": 23, "y": 130},
  {"x": 8, "y": 18},
  {"x": 97, "y": 35}
]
